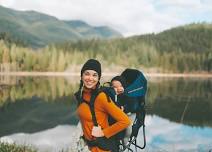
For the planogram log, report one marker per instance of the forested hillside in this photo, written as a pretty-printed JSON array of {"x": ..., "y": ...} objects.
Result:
[
  {"x": 182, "y": 49},
  {"x": 188, "y": 38}
]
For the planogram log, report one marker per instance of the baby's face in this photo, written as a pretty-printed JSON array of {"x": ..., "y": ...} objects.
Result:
[{"x": 117, "y": 87}]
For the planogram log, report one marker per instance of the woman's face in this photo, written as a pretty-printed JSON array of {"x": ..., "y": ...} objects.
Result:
[
  {"x": 90, "y": 79},
  {"x": 117, "y": 87}
]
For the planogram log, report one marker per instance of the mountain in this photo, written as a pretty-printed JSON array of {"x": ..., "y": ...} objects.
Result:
[
  {"x": 92, "y": 32},
  {"x": 195, "y": 37},
  {"x": 38, "y": 29}
]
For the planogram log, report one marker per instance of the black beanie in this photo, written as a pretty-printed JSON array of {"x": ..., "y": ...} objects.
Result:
[
  {"x": 92, "y": 64},
  {"x": 121, "y": 80}
]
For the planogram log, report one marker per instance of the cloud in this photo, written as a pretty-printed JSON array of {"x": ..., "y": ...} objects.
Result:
[{"x": 128, "y": 17}]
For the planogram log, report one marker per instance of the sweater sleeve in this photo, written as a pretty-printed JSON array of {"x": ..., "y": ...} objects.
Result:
[{"x": 122, "y": 120}]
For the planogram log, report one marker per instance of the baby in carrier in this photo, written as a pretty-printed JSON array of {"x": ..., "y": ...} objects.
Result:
[
  {"x": 118, "y": 83},
  {"x": 124, "y": 102},
  {"x": 130, "y": 90}
]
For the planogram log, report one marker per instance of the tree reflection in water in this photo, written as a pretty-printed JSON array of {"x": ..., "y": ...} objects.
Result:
[
  {"x": 182, "y": 106},
  {"x": 186, "y": 101}
]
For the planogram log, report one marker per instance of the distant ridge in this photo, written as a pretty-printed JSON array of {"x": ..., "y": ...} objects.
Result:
[{"x": 37, "y": 29}]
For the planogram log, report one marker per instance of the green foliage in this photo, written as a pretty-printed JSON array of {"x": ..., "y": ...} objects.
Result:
[
  {"x": 11, "y": 39},
  {"x": 149, "y": 52},
  {"x": 188, "y": 38},
  {"x": 164, "y": 52},
  {"x": 5, "y": 147}
]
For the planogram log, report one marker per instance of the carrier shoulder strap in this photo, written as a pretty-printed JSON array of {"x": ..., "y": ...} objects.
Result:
[{"x": 91, "y": 104}]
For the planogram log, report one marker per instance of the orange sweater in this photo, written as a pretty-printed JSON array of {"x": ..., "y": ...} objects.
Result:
[{"x": 103, "y": 108}]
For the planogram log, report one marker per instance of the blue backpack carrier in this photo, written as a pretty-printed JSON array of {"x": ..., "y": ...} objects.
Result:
[
  {"x": 135, "y": 92},
  {"x": 133, "y": 101}
]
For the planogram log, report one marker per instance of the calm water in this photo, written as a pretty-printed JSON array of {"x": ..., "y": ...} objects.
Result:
[{"x": 40, "y": 111}]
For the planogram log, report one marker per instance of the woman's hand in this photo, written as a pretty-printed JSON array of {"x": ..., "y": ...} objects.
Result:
[{"x": 97, "y": 132}]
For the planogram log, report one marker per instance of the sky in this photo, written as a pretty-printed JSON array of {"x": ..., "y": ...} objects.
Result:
[{"x": 129, "y": 17}]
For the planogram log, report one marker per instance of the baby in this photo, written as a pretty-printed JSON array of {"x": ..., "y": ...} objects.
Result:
[{"x": 119, "y": 84}]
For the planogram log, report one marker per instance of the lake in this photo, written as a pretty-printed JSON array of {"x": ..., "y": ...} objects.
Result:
[{"x": 40, "y": 111}]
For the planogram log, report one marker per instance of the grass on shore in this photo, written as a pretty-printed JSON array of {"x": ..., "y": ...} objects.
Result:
[{"x": 6, "y": 147}]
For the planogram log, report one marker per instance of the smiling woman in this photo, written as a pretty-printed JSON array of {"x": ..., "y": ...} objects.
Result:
[
  {"x": 91, "y": 73},
  {"x": 95, "y": 122},
  {"x": 90, "y": 79}
]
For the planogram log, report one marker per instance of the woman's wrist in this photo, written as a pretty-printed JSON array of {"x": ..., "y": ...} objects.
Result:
[{"x": 97, "y": 131}]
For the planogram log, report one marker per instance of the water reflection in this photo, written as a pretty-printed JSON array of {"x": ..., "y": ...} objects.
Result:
[
  {"x": 47, "y": 88},
  {"x": 33, "y": 115},
  {"x": 186, "y": 101},
  {"x": 163, "y": 135},
  {"x": 179, "y": 112},
  {"x": 51, "y": 140},
  {"x": 32, "y": 104}
]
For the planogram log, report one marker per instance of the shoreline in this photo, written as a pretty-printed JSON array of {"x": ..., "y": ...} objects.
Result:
[{"x": 204, "y": 75}]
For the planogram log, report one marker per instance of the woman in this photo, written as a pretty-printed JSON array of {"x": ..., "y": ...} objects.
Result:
[{"x": 90, "y": 77}]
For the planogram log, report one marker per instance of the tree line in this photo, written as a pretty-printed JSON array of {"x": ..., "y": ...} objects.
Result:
[{"x": 184, "y": 49}]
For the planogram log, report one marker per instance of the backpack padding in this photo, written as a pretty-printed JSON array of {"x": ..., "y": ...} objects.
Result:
[
  {"x": 136, "y": 83},
  {"x": 130, "y": 75}
]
